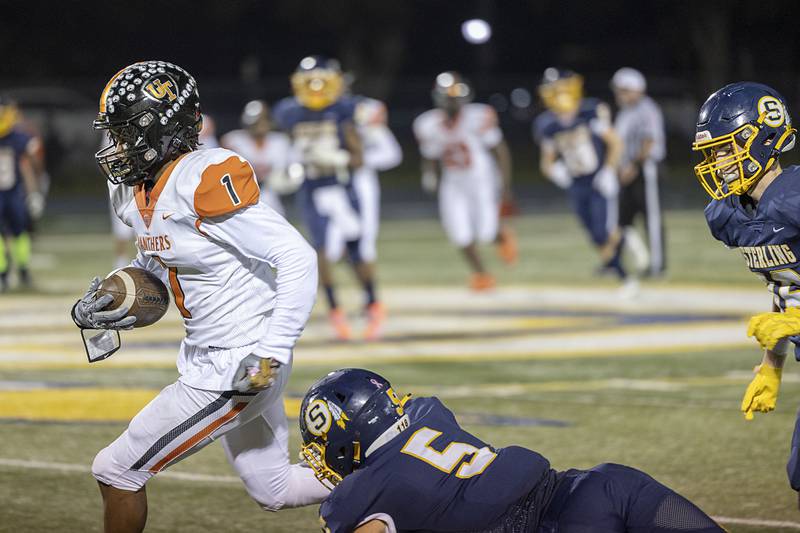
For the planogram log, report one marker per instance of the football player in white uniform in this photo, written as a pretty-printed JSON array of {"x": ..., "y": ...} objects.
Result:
[
  {"x": 243, "y": 279},
  {"x": 123, "y": 233},
  {"x": 267, "y": 150},
  {"x": 381, "y": 152},
  {"x": 464, "y": 140}
]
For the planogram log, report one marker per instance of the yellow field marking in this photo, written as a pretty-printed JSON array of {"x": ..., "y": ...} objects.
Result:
[
  {"x": 333, "y": 360},
  {"x": 91, "y": 404}
]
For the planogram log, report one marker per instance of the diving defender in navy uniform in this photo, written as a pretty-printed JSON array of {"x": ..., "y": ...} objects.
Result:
[
  {"x": 580, "y": 152},
  {"x": 406, "y": 465},
  {"x": 742, "y": 131},
  {"x": 325, "y": 141}
]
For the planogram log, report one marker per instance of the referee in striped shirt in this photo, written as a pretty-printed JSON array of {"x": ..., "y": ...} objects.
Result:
[{"x": 640, "y": 125}]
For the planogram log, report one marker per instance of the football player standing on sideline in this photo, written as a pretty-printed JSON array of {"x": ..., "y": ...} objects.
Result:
[
  {"x": 580, "y": 152},
  {"x": 640, "y": 125},
  {"x": 20, "y": 196},
  {"x": 320, "y": 121},
  {"x": 380, "y": 453},
  {"x": 243, "y": 279},
  {"x": 459, "y": 140},
  {"x": 267, "y": 150},
  {"x": 742, "y": 131}
]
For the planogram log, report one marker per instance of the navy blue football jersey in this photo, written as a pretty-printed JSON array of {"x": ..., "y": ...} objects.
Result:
[
  {"x": 434, "y": 476},
  {"x": 578, "y": 142},
  {"x": 309, "y": 128},
  {"x": 767, "y": 233},
  {"x": 12, "y": 147}
]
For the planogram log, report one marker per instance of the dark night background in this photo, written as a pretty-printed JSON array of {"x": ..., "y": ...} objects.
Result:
[{"x": 58, "y": 55}]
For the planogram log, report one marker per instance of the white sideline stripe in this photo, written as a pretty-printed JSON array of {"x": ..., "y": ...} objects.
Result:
[
  {"x": 83, "y": 469},
  {"x": 757, "y": 522},
  {"x": 206, "y": 478}
]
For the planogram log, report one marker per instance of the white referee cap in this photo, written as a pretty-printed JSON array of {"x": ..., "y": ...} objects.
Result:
[{"x": 629, "y": 79}]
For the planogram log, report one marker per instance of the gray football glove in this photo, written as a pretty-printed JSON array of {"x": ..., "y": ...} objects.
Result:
[
  {"x": 256, "y": 374},
  {"x": 87, "y": 314}
]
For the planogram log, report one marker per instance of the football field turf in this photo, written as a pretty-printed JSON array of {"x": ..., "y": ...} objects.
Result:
[{"x": 553, "y": 360}]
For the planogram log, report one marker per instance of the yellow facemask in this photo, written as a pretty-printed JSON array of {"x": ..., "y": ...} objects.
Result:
[
  {"x": 8, "y": 119},
  {"x": 564, "y": 95},
  {"x": 317, "y": 89},
  {"x": 313, "y": 454},
  {"x": 728, "y": 168}
]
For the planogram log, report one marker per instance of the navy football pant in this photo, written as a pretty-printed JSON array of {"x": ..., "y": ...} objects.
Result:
[
  {"x": 611, "y": 498},
  {"x": 596, "y": 213},
  {"x": 13, "y": 212}
]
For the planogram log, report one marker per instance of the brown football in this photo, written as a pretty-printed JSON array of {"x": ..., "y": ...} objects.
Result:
[{"x": 138, "y": 289}]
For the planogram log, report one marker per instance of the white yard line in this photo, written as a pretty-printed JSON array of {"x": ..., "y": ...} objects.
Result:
[{"x": 206, "y": 478}]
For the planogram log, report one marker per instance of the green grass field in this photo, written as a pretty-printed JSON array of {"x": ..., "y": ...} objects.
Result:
[{"x": 671, "y": 412}]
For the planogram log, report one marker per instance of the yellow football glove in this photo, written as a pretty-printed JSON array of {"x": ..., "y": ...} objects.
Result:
[
  {"x": 762, "y": 393},
  {"x": 769, "y": 328}
]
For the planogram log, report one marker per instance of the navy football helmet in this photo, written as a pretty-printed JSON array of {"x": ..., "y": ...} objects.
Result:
[
  {"x": 318, "y": 82},
  {"x": 561, "y": 90},
  {"x": 151, "y": 111},
  {"x": 8, "y": 115},
  {"x": 344, "y": 417},
  {"x": 742, "y": 130},
  {"x": 451, "y": 91}
]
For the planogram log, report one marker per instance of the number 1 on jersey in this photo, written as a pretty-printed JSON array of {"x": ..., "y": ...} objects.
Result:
[{"x": 226, "y": 181}]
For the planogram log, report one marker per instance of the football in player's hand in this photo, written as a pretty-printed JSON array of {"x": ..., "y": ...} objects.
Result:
[{"x": 138, "y": 289}]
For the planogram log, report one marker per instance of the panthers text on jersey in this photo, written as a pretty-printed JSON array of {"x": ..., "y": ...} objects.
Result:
[
  {"x": 462, "y": 145},
  {"x": 767, "y": 234},
  {"x": 434, "y": 476},
  {"x": 578, "y": 142},
  {"x": 203, "y": 230}
]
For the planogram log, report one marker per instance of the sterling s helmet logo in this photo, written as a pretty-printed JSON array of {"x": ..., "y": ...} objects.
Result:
[
  {"x": 772, "y": 109},
  {"x": 161, "y": 88},
  {"x": 318, "y": 418}
]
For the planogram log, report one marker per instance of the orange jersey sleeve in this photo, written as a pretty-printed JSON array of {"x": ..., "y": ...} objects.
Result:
[{"x": 225, "y": 188}]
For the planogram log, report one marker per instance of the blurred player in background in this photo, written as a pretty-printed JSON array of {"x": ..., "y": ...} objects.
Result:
[
  {"x": 20, "y": 195},
  {"x": 267, "y": 150},
  {"x": 407, "y": 465},
  {"x": 320, "y": 120},
  {"x": 640, "y": 125},
  {"x": 122, "y": 233},
  {"x": 462, "y": 141},
  {"x": 742, "y": 131},
  {"x": 381, "y": 152},
  {"x": 242, "y": 277},
  {"x": 580, "y": 152}
]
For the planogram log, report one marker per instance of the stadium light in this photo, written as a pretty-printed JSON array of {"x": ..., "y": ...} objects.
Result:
[
  {"x": 521, "y": 98},
  {"x": 476, "y": 31}
]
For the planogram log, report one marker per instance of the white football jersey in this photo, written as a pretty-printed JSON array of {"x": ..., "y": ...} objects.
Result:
[
  {"x": 461, "y": 145},
  {"x": 239, "y": 273},
  {"x": 267, "y": 156},
  {"x": 381, "y": 149}
]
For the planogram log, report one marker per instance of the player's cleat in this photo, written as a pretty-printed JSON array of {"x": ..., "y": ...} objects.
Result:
[
  {"x": 25, "y": 278},
  {"x": 376, "y": 316},
  {"x": 507, "y": 247},
  {"x": 481, "y": 281},
  {"x": 341, "y": 328},
  {"x": 630, "y": 289}
]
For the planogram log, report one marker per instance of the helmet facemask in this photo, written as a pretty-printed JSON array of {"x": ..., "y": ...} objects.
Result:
[
  {"x": 136, "y": 147},
  {"x": 563, "y": 95},
  {"x": 318, "y": 88},
  {"x": 729, "y": 166}
]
